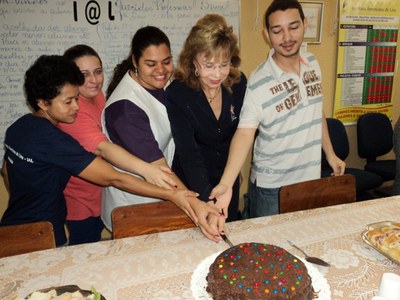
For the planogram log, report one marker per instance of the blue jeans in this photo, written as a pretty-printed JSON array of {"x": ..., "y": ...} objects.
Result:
[
  {"x": 263, "y": 201},
  {"x": 396, "y": 147}
]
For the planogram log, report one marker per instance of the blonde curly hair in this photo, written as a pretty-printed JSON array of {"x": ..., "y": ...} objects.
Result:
[{"x": 213, "y": 37}]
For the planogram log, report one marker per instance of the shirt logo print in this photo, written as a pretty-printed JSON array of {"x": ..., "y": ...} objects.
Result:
[{"x": 233, "y": 116}]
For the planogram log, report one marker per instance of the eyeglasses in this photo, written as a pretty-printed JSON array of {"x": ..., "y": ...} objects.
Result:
[{"x": 210, "y": 67}]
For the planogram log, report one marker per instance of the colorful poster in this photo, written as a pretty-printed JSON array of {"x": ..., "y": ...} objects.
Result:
[{"x": 367, "y": 45}]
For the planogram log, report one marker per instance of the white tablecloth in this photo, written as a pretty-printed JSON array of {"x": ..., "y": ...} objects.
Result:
[{"x": 159, "y": 266}]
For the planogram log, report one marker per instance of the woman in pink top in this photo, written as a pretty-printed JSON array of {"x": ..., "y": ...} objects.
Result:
[{"x": 84, "y": 198}]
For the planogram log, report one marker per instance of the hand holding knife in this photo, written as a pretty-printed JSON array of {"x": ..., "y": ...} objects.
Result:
[{"x": 226, "y": 240}]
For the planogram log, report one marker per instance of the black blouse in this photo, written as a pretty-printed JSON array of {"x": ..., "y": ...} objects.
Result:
[{"x": 202, "y": 141}]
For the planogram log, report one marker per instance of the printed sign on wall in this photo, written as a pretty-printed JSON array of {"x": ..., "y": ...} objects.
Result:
[{"x": 367, "y": 45}]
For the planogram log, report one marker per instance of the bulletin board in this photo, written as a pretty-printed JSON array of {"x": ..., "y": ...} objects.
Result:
[
  {"x": 32, "y": 28},
  {"x": 367, "y": 46}
]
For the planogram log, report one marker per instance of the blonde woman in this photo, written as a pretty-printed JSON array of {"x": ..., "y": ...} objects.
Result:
[{"x": 203, "y": 104}]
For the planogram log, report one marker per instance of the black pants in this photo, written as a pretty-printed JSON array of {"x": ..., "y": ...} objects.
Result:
[{"x": 85, "y": 231}]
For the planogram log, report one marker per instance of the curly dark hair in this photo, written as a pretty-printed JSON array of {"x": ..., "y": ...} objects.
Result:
[
  {"x": 283, "y": 5},
  {"x": 143, "y": 38},
  {"x": 47, "y": 76},
  {"x": 212, "y": 36}
]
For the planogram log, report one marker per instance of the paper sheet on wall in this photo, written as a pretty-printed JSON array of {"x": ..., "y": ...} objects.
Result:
[{"x": 367, "y": 45}]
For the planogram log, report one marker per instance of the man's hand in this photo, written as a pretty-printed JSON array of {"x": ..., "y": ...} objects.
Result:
[
  {"x": 223, "y": 194},
  {"x": 338, "y": 166}
]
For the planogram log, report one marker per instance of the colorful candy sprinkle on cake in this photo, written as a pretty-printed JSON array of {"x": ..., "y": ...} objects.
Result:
[{"x": 258, "y": 271}]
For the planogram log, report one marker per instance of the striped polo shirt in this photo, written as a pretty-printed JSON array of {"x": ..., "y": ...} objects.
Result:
[{"x": 287, "y": 111}]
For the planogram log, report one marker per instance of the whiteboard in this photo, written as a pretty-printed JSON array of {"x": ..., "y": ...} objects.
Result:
[{"x": 30, "y": 28}]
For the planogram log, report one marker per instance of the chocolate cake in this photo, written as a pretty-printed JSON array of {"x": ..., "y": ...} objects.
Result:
[{"x": 258, "y": 271}]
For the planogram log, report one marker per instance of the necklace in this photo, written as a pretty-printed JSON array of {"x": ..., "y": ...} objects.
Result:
[{"x": 211, "y": 99}]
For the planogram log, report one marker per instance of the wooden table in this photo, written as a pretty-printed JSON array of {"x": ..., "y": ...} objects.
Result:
[{"x": 159, "y": 266}]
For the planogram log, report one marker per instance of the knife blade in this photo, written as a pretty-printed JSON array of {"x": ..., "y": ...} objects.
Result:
[{"x": 226, "y": 240}]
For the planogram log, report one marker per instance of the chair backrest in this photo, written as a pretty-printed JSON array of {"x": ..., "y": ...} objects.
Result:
[
  {"x": 374, "y": 136},
  {"x": 339, "y": 139},
  {"x": 146, "y": 218},
  {"x": 24, "y": 238},
  {"x": 317, "y": 193}
]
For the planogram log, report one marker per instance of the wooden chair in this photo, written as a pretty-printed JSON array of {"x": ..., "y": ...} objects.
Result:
[
  {"x": 24, "y": 238},
  {"x": 146, "y": 218},
  {"x": 317, "y": 193}
]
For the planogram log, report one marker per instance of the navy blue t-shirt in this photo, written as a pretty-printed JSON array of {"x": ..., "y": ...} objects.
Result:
[{"x": 40, "y": 159}]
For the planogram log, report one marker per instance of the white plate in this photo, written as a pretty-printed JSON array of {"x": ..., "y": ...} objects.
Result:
[
  {"x": 199, "y": 282},
  {"x": 68, "y": 289}
]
